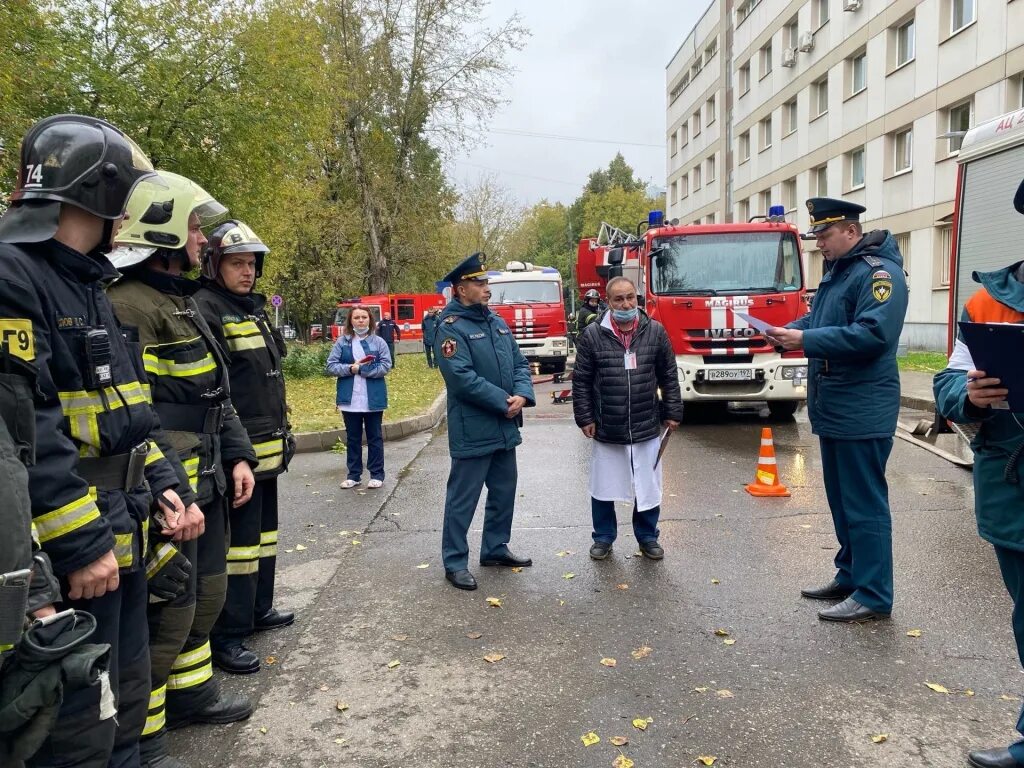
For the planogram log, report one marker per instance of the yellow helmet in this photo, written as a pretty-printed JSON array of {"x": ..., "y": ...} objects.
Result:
[{"x": 157, "y": 216}]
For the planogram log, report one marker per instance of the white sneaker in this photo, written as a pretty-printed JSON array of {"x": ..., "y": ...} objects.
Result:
[
  {"x": 375, "y": 484},
  {"x": 350, "y": 484}
]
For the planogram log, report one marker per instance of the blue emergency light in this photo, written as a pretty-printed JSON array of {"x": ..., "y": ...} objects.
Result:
[
  {"x": 655, "y": 219},
  {"x": 777, "y": 213}
]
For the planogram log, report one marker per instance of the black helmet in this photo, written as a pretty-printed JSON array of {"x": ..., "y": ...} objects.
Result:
[
  {"x": 232, "y": 236},
  {"x": 592, "y": 294},
  {"x": 73, "y": 159}
]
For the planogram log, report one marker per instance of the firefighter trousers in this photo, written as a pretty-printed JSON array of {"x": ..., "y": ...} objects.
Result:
[
  {"x": 80, "y": 738},
  {"x": 190, "y": 684},
  {"x": 252, "y": 560}
]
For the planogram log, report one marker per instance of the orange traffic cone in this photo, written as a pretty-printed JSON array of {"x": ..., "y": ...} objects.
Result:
[{"x": 766, "y": 478}]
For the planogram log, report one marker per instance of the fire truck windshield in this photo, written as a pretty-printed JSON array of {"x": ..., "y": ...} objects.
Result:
[
  {"x": 342, "y": 314},
  {"x": 525, "y": 292},
  {"x": 724, "y": 263}
]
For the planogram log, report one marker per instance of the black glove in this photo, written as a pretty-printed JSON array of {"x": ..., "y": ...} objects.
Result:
[
  {"x": 167, "y": 571},
  {"x": 43, "y": 589}
]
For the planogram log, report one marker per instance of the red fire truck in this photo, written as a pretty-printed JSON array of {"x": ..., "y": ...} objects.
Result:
[
  {"x": 407, "y": 309},
  {"x": 529, "y": 299},
  {"x": 696, "y": 280}
]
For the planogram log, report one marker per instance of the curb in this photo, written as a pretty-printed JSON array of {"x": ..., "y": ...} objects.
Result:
[
  {"x": 926, "y": 404},
  {"x": 311, "y": 442}
]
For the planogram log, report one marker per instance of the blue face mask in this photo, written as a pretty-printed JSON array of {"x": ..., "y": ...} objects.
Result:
[
  {"x": 361, "y": 331},
  {"x": 625, "y": 315}
]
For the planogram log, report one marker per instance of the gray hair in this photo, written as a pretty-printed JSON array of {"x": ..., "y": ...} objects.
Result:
[{"x": 619, "y": 279}]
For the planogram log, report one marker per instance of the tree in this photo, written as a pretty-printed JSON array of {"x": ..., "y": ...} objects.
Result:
[
  {"x": 617, "y": 181},
  {"x": 617, "y": 207},
  {"x": 487, "y": 218}
]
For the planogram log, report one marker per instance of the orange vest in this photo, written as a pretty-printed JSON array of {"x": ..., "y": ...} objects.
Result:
[{"x": 982, "y": 308}]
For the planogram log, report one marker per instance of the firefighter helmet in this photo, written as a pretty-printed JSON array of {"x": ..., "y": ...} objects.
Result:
[
  {"x": 232, "y": 237},
  {"x": 591, "y": 294},
  {"x": 158, "y": 217},
  {"x": 73, "y": 159}
]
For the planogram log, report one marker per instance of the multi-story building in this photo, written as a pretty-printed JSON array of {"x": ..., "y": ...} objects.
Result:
[{"x": 861, "y": 99}]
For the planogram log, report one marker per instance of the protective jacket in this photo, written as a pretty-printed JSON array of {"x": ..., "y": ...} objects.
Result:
[
  {"x": 585, "y": 316},
  {"x": 94, "y": 415},
  {"x": 482, "y": 366},
  {"x": 254, "y": 353},
  {"x": 339, "y": 363},
  {"x": 850, "y": 338},
  {"x": 998, "y": 493},
  {"x": 187, "y": 372},
  {"x": 429, "y": 328},
  {"x": 628, "y": 406}
]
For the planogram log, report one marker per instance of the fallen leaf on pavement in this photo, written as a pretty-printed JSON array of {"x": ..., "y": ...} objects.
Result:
[
  {"x": 344, "y": 533},
  {"x": 561, "y": 602},
  {"x": 914, "y": 633},
  {"x": 879, "y": 738},
  {"x": 342, "y": 706},
  {"x": 299, "y": 548},
  {"x": 642, "y": 652},
  {"x": 340, "y": 741},
  {"x": 563, "y": 553},
  {"x": 968, "y": 692},
  {"x": 423, "y": 565},
  {"x": 568, "y": 575},
  {"x": 805, "y": 526},
  {"x": 701, "y": 689},
  {"x": 400, "y": 638},
  {"x": 589, "y": 739},
  {"x": 722, "y": 632},
  {"x": 609, "y": 662},
  {"x": 355, "y": 542},
  {"x": 393, "y": 664},
  {"x": 289, "y": 550},
  {"x": 517, "y": 569},
  {"x": 263, "y": 729},
  {"x": 619, "y": 741},
  {"x": 623, "y": 762},
  {"x": 938, "y": 688},
  {"x": 729, "y": 641},
  {"x": 474, "y": 635},
  {"x": 1004, "y": 697},
  {"x": 494, "y": 602},
  {"x": 708, "y": 759},
  {"x": 270, "y": 660},
  {"x": 715, "y": 581},
  {"x": 641, "y": 723},
  {"x": 725, "y": 693},
  {"x": 493, "y": 658},
  {"x": 622, "y": 586},
  {"x": 325, "y": 687}
]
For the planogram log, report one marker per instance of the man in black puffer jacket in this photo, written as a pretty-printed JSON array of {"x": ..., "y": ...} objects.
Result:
[{"x": 622, "y": 366}]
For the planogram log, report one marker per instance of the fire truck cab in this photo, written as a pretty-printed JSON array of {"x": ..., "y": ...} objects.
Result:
[
  {"x": 407, "y": 310},
  {"x": 529, "y": 299}
]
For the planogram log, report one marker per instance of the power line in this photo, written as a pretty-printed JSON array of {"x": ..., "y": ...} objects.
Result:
[
  {"x": 576, "y": 184},
  {"x": 559, "y": 137}
]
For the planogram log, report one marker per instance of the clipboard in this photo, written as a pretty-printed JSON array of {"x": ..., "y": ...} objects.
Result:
[
  {"x": 753, "y": 322},
  {"x": 998, "y": 350},
  {"x": 664, "y": 444}
]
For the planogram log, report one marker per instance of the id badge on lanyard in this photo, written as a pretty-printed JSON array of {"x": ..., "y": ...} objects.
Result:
[{"x": 630, "y": 361}]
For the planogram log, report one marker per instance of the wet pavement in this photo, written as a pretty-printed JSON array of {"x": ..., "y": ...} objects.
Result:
[{"x": 790, "y": 691}]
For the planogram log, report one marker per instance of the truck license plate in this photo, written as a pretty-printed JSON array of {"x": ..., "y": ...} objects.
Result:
[{"x": 744, "y": 374}]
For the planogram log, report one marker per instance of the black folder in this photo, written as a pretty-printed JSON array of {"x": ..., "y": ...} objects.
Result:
[{"x": 998, "y": 350}]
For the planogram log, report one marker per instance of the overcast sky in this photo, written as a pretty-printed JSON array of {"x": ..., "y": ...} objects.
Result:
[{"x": 593, "y": 69}]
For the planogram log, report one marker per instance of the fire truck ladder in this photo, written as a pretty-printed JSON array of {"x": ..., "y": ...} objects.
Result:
[{"x": 609, "y": 235}]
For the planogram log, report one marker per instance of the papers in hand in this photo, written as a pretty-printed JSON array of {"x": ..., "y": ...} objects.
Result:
[
  {"x": 664, "y": 444},
  {"x": 753, "y": 322}
]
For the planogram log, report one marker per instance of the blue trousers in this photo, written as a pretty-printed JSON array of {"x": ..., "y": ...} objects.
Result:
[
  {"x": 355, "y": 423},
  {"x": 1011, "y": 564},
  {"x": 466, "y": 480},
  {"x": 645, "y": 524},
  {"x": 428, "y": 350},
  {"x": 858, "y": 496}
]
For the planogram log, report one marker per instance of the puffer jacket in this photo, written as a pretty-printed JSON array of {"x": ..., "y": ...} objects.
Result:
[{"x": 625, "y": 404}]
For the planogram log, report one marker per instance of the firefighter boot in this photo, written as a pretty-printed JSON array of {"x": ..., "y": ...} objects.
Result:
[
  {"x": 233, "y": 657},
  {"x": 228, "y": 708}
]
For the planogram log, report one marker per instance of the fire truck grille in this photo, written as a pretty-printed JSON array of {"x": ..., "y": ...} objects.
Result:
[
  {"x": 728, "y": 359},
  {"x": 530, "y": 330}
]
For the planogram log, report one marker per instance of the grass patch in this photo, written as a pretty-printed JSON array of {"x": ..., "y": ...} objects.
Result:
[
  {"x": 412, "y": 387},
  {"x": 928, "y": 362}
]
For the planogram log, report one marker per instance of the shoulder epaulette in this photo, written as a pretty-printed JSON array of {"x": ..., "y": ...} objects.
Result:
[
  {"x": 872, "y": 261},
  {"x": 451, "y": 319}
]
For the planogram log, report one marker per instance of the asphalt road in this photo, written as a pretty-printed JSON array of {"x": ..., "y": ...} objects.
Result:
[{"x": 791, "y": 691}]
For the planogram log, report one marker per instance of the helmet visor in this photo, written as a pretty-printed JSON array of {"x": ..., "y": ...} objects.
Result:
[{"x": 209, "y": 211}]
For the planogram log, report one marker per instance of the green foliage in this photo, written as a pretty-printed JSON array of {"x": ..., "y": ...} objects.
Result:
[
  {"x": 304, "y": 361},
  {"x": 612, "y": 194}
]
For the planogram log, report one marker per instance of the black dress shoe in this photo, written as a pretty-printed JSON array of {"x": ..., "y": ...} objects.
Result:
[
  {"x": 228, "y": 708},
  {"x": 850, "y": 611},
  {"x": 599, "y": 550},
  {"x": 274, "y": 619},
  {"x": 509, "y": 560},
  {"x": 461, "y": 579},
  {"x": 236, "y": 659},
  {"x": 652, "y": 549},
  {"x": 831, "y": 591},
  {"x": 992, "y": 758}
]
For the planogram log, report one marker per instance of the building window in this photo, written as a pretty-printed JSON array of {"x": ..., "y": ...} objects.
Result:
[
  {"x": 819, "y": 181},
  {"x": 789, "y": 194},
  {"x": 696, "y": 177},
  {"x": 962, "y": 15},
  {"x": 819, "y": 97},
  {"x": 744, "y": 8},
  {"x": 711, "y": 50},
  {"x": 856, "y": 168},
  {"x": 684, "y": 186},
  {"x": 675, "y": 192},
  {"x": 858, "y": 73},
  {"x": 674, "y": 143},
  {"x": 791, "y": 34},
  {"x": 902, "y": 145},
  {"x": 905, "y": 43},
  {"x": 710, "y": 165},
  {"x": 766, "y": 202},
  {"x": 696, "y": 123},
  {"x": 942, "y": 254},
  {"x": 788, "y": 117},
  {"x": 709, "y": 111},
  {"x": 745, "y": 78},
  {"x": 766, "y": 59},
  {"x": 684, "y": 135},
  {"x": 710, "y": 219},
  {"x": 903, "y": 243},
  {"x": 766, "y": 132},
  {"x": 819, "y": 13},
  {"x": 744, "y": 146},
  {"x": 744, "y": 210},
  {"x": 959, "y": 123}
]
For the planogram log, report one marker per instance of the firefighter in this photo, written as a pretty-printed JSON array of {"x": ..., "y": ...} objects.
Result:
[
  {"x": 100, "y": 455},
  {"x": 232, "y": 262},
  {"x": 188, "y": 376},
  {"x": 590, "y": 310}
]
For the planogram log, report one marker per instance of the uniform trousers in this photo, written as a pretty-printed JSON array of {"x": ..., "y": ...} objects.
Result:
[
  {"x": 466, "y": 480},
  {"x": 645, "y": 524},
  {"x": 80, "y": 739},
  {"x": 252, "y": 559},
  {"x": 858, "y": 496},
  {"x": 428, "y": 350},
  {"x": 1011, "y": 564}
]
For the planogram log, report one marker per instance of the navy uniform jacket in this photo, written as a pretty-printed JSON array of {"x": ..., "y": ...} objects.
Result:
[
  {"x": 429, "y": 328},
  {"x": 850, "y": 338},
  {"x": 482, "y": 366}
]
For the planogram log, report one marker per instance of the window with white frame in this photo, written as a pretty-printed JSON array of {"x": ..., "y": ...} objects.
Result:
[
  {"x": 789, "y": 117},
  {"x": 744, "y": 77},
  {"x": 819, "y": 96},
  {"x": 709, "y": 165},
  {"x": 959, "y": 123},
  {"x": 696, "y": 123},
  {"x": 858, "y": 73},
  {"x": 902, "y": 150},
  {"x": 766, "y": 132},
  {"x": 819, "y": 12},
  {"x": 962, "y": 14},
  {"x": 855, "y": 159},
  {"x": 710, "y": 218},
  {"x": 943, "y": 247},
  {"x": 766, "y": 202},
  {"x": 684, "y": 135},
  {"x": 744, "y": 8},
  {"x": 674, "y": 187},
  {"x": 711, "y": 50},
  {"x": 819, "y": 181},
  {"x": 744, "y": 210},
  {"x": 905, "y": 51},
  {"x": 674, "y": 143},
  {"x": 696, "y": 175},
  {"x": 791, "y": 34},
  {"x": 684, "y": 186},
  {"x": 709, "y": 111},
  {"x": 744, "y": 148},
  {"x": 789, "y": 194},
  {"x": 903, "y": 244},
  {"x": 766, "y": 59}
]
